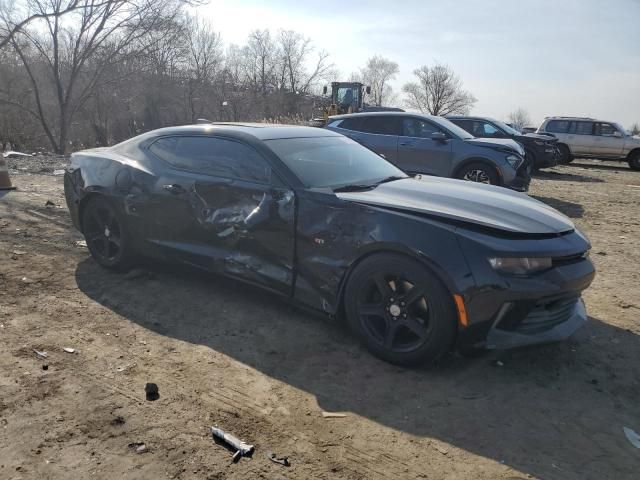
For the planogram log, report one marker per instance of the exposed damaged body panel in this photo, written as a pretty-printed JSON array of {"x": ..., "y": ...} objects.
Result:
[{"x": 285, "y": 209}]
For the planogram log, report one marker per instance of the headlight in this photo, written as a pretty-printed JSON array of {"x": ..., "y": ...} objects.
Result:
[
  {"x": 515, "y": 161},
  {"x": 520, "y": 266}
]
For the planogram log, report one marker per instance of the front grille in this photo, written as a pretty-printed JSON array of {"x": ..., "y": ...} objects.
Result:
[
  {"x": 569, "y": 259},
  {"x": 545, "y": 317}
]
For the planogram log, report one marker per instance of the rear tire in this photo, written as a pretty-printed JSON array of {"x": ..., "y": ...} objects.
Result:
[
  {"x": 479, "y": 172},
  {"x": 565, "y": 154},
  {"x": 634, "y": 160},
  {"x": 400, "y": 310},
  {"x": 106, "y": 235}
]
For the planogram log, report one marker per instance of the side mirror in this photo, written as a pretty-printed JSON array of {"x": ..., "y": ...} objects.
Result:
[
  {"x": 439, "y": 137},
  {"x": 368, "y": 90},
  {"x": 324, "y": 90},
  {"x": 617, "y": 134}
]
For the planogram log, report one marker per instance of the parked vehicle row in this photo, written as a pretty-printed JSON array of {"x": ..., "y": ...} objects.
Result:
[
  {"x": 592, "y": 138},
  {"x": 424, "y": 144},
  {"x": 540, "y": 150},
  {"x": 415, "y": 266}
]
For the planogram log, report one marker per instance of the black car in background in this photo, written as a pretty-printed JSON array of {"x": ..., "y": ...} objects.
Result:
[
  {"x": 541, "y": 150},
  {"x": 414, "y": 265}
]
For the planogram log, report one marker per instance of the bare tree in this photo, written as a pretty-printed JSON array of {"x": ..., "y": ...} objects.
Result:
[
  {"x": 204, "y": 63},
  {"x": 65, "y": 53},
  {"x": 295, "y": 50},
  {"x": 635, "y": 129},
  {"x": 378, "y": 72},
  {"x": 519, "y": 118},
  {"x": 438, "y": 91},
  {"x": 15, "y": 16}
]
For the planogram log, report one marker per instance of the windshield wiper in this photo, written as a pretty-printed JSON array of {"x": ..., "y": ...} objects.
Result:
[
  {"x": 367, "y": 186},
  {"x": 354, "y": 187},
  {"x": 389, "y": 179}
]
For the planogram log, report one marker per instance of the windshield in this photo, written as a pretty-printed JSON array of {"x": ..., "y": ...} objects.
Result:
[
  {"x": 506, "y": 128},
  {"x": 452, "y": 127},
  {"x": 332, "y": 161},
  {"x": 621, "y": 129}
]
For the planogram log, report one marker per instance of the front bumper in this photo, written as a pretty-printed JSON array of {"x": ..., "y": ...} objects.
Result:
[
  {"x": 509, "y": 311},
  {"x": 522, "y": 179},
  {"x": 549, "y": 158},
  {"x": 546, "y": 323}
]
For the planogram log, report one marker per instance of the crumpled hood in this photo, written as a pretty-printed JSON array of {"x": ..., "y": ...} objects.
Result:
[
  {"x": 498, "y": 144},
  {"x": 484, "y": 205},
  {"x": 544, "y": 138}
]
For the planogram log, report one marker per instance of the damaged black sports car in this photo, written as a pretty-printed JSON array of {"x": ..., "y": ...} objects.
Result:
[{"x": 416, "y": 266}]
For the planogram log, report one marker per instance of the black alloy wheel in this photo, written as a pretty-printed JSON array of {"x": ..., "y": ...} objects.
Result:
[
  {"x": 400, "y": 310},
  {"x": 105, "y": 234}
]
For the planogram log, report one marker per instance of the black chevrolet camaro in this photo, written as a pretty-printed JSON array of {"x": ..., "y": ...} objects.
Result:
[{"x": 415, "y": 266}]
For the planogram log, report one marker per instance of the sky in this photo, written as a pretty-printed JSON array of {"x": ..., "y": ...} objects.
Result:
[{"x": 550, "y": 57}]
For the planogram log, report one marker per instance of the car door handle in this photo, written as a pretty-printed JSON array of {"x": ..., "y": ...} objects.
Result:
[
  {"x": 407, "y": 144},
  {"x": 175, "y": 189}
]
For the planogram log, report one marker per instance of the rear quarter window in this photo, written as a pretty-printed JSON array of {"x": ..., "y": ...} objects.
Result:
[{"x": 354, "y": 123}]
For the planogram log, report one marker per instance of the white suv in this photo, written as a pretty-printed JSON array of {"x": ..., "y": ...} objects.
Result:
[{"x": 590, "y": 138}]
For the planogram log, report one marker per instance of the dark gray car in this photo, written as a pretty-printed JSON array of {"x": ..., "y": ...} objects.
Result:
[{"x": 432, "y": 145}]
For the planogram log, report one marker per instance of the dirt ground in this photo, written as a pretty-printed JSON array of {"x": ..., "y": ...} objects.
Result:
[{"x": 226, "y": 354}]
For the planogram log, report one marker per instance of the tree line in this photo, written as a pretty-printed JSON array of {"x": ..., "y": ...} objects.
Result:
[{"x": 83, "y": 73}]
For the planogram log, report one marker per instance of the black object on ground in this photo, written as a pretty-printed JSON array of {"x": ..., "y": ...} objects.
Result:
[
  {"x": 281, "y": 460},
  {"x": 151, "y": 389}
]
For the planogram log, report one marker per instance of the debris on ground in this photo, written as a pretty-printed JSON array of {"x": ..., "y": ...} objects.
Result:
[
  {"x": 151, "y": 390},
  {"x": 19, "y": 252},
  {"x": 632, "y": 436},
  {"x": 443, "y": 451},
  {"x": 241, "y": 449},
  {"x": 58, "y": 172},
  {"x": 139, "y": 447},
  {"x": 45, "y": 367},
  {"x": 28, "y": 280},
  {"x": 281, "y": 460},
  {"x": 119, "y": 420},
  {"x": 69, "y": 350},
  {"x": 497, "y": 363},
  {"x": 49, "y": 204},
  {"x": 12, "y": 154},
  {"x": 333, "y": 415},
  {"x": 81, "y": 243},
  {"x": 40, "y": 354}
]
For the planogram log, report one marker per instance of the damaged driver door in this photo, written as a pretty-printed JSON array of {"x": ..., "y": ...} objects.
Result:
[{"x": 221, "y": 207}]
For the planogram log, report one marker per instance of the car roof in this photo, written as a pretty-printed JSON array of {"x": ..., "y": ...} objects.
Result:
[
  {"x": 585, "y": 119},
  {"x": 259, "y": 131},
  {"x": 381, "y": 114},
  {"x": 469, "y": 117}
]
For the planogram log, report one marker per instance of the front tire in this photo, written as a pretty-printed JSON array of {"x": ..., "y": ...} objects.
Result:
[
  {"x": 634, "y": 160},
  {"x": 400, "y": 310},
  {"x": 479, "y": 172},
  {"x": 565, "y": 154},
  {"x": 106, "y": 235}
]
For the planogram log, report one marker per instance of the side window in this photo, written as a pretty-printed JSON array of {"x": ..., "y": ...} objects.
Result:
[
  {"x": 584, "y": 128},
  {"x": 558, "y": 126},
  {"x": 605, "y": 129},
  {"x": 489, "y": 130},
  {"x": 381, "y": 125},
  {"x": 213, "y": 156},
  {"x": 465, "y": 125},
  {"x": 414, "y": 127}
]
